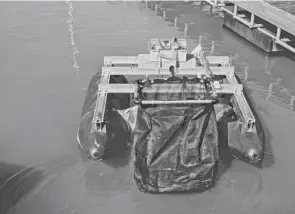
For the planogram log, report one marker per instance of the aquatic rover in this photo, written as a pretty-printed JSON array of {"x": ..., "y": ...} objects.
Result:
[{"x": 128, "y": 81}]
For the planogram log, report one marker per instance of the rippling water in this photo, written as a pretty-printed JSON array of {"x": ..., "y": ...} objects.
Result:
[
  {"x": 288, "y": 6},
  {"x": 42, "y": 89},
  {"x": 70, "y": 22}
]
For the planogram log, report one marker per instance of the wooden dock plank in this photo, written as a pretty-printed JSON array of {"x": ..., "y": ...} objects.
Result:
[{"x": 269, "y": 13}]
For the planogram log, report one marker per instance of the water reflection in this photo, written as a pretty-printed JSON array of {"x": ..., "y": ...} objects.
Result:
[
  {"x": 246, "y": 72},
  {"x": 269, "y": 64},
  {"x": 245, "y": 183},
  {"x": 287, "y": 6},
  {"x": 287, "y": 102},
  {"x": 75, "y": 51},
  {"x": 105, "y": 181},
  {"x": 15, "y": 182}
]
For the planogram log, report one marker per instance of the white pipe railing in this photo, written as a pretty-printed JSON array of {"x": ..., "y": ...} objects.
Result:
[{"x": 171, "y": 102}]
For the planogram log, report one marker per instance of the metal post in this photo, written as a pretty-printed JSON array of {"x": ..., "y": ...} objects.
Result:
[
  {"x": 185, "y": 29},
  {"x": 212, "y": 48},
  {"x": 137, "y": 93},
  {"x": 159, "y": 60},
  {"x": 174, "y": 56},
  {"x": 215, "y": 3},
  {"x": 291, "y": 104},
  {"x": 278, "y": 33},
  {"x": 211, "y": 9},
  {"x": 246, "y": 72},
  {"x": 200, "y": 40},
  {"x": 266, "y": 64},
  {"x": 235, "y": 10},
  {"x": 252, "y": 20},
  {"x": 175, "y": 22}
]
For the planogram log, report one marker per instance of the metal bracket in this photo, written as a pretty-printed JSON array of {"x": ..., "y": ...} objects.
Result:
[
  {"x": 108, "y": 63},
  {"x": 99, "y": 111},
  {"x": 225, "y": 64},
  {"x": 102, "y": 94}
]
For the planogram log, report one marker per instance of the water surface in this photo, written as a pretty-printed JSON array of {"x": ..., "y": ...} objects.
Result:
[{"x": 50, "y": 50}]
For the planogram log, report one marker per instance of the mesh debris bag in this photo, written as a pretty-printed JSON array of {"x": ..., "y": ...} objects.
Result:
[{"x": 175, "y": 148}]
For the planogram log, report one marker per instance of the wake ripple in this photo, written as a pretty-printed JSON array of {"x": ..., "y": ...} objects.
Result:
[{"x": 75, "y": 51}]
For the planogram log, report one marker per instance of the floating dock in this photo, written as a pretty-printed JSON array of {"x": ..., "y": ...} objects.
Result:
[{"x": 266, "y": 26}]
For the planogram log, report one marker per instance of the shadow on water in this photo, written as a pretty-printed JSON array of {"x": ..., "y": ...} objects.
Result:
[
  {"x": 117, "y": 152},
  {"x": 224, "y": 151},
  {"x": 15, "y": 182},
  {"x": 117, "y": 149},
  {"x": 107, "y": 178}
]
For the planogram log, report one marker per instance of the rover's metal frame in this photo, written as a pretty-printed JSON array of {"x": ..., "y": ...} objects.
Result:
[{"x": 164, "y": 54}]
